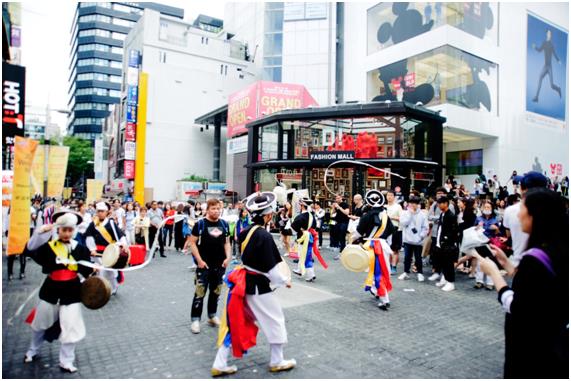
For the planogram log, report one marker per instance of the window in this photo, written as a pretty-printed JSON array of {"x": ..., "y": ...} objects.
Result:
[
  {"x": 91, "y": 106},
  {"x": 122, "y": 22},
  {"x": 95, "y": 32},
  {"x": 116, "y": 50},
  {"x": 92, "y": 47},
  {"x": 95, "y": 18},
  {"x": 87, "y": 4},
  {"x": 115, "y": 93},
  {"x": 123, "y": 8},
  {"x": 116, "y": 64},
  {"x": 273, "y": 41},
  {"x": 477, "y": 19},
  {"x": 98, "y": 91},
  {"x": 115, "y": 79},
  {"x": 83, "y": 121},
  {"x": 118, "y": 36},
  {"x": 464, "y": 162},
  {"x": 443, "y": 75}
]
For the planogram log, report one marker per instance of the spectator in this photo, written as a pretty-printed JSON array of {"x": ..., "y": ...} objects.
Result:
[
  {"x": 446, "y": 245},
  {"x": 129, "y": 223},
  {"x": 341, "y": 222},
  {"x": 168, "y": 229},
  {"x": 180, "y": 220},
  {"x": 537, "y": 304},
  {"x": 156, "y": 218},
  {"x": 466, "y": 219},
  {"x": 434, "y": 217},
  {"x": 284, "y": 224},
  {"x": 414, "y": 224},
  {"x": 142, "y": 224},
  {"x": 319, "y": 215},
  {"x": 394, "y": 210}
]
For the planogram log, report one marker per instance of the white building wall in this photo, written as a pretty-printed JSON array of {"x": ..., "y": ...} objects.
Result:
[
  {"x": 509, "y": 140},
  {"x": 185, "y": 86}
]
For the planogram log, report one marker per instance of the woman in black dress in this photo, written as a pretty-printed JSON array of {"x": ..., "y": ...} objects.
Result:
[{"x": 537, "y": 304}]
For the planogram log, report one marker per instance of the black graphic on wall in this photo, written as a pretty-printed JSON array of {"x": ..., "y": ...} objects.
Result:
[
  {"x": 478, "y": 17},
  {"x": 478, "y": 92},
  {"x": 397, "y": 71},
  {"x": 408, "y": 24}
]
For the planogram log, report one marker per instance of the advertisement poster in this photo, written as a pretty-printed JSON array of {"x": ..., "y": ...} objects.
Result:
[
  {"x": 546, "y": 69},
  {"x": 241, "y": 110},
  {"x": 13, "y": 102},
  {"x": 19, "y": 231},
  {"x": 129, "y": 169},
  {"x": 57, "y": 167}
]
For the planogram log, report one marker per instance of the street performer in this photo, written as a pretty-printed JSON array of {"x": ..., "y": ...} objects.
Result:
[
  {"x": 307, "y": 238},
  {"x": 58, "y": 314},
  {"x": 101, "y": 232},
  {"x": 251, "y": 298},
  {"x": 373, "y": 229}
]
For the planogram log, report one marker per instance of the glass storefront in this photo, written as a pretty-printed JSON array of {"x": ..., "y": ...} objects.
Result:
[
  {"x": 390, "y": 23},
  {"x": 443, "y": 75}
]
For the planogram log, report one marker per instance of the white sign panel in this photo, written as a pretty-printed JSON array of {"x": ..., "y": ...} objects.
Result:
[
  {"x": 130, "y": 150},
  {"x": 132, "y": 76},
  {"x": 237, "y": 145}
]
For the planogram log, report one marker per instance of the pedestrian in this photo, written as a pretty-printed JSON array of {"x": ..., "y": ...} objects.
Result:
[
  {"x": 284, "y": 224},
  {"x": 511, "y": 221},
  {"x": 252, "y": 297},
  {"x": 242, "y": 224},
  {"x": 168, "y": 228},
  {"x": 434, "y": 217},
  {"x": 565, "y": 186},
  {"x": 119, "y": 214},
  {"x": 59, "y": 304},
  {"x": 395, "y": 240},
  {"x": 489, "y": 223},
  {"x": 341, "y": 209},
  {"x": 446, "y": 244},
  {"x": 180, "y": 220},
  {"x": 142, "y": 224},
  {"x": 537, "y": 303},
  {"x": 415, "y": 229},
  {"x": 211, "y": 248},
  {"x": 358, "y": 208},
  {"x": 82, "y": 227},
  {"x": 156, "y": 217},
  {"x": 319, "y": 215},
  {"x": 466, "y": 219},
  {"x": 129, "y": 223}
]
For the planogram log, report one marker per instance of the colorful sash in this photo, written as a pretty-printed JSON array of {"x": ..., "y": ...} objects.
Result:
[
  {"x": 315, "y": 248},
  {"x": 101, "y": 229},
  {"x": 378, "y": 274},
  {"x": 61, "y": 251}
]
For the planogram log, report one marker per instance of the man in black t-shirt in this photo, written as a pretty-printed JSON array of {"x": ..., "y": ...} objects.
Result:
[
  {"x": 342, "y": 221},
  {"x": 211, "y": 249}
]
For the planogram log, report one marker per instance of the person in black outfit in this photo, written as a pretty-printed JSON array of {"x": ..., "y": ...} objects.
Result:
[
  {"x": 446, "y": 244},
  {"x": 548, "y": 51},
  {"x": 211, "y": 249},
  {"x": 180, "y": 220},
  {"x": 537, "y": 303},
  {"x": 342, "y": 221}
]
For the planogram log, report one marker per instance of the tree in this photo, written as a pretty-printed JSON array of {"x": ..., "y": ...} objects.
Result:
[{"x": 80, "y": 153}]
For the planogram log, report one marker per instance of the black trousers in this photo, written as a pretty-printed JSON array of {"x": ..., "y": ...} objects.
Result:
[
  {"x": 409, "y": 252},
  {"x": 341, "y": 232},
  {"x": 333, "y": 236},
  {"x": 207, "y": 280},
  {"x": 446, "y": 257},
  {"x": 178, "y": 238},
  {"x": 12, "y": 259},
  {"x": 152, "y": 234},
  {"x": 320, "y": 234}
]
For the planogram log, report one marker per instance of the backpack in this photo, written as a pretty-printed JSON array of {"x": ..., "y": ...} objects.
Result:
[{"x": 200, "y": 224}]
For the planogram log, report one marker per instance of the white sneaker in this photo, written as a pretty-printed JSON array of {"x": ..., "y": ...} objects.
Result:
[
  {"x": 449, "y": 286},
  {"x": 284, "y": 365},
  {"x": 215, "y": 372},
  {"x": 403, "y": 276},
  {"x": 67, "y": 368},
  {"x": 442, "y": 282},
  {"x": 195, "y": 326},
  {"x": 420, "y": 277},
  {"x": 214, "y": 321},
  {"x": 434, "y": 277}
]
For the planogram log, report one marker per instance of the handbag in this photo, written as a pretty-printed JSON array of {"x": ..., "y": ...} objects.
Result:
[{"x": 473, "y": 237}]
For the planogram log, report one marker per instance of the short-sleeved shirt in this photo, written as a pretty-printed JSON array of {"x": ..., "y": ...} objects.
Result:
[
  {"x": 156, "y": 216},
  {"x": 211, "y": 244},
  {"x": 340, "y": 217},
  {"x": 394, "y": 210},
  {"x": 519, "y": 238}
]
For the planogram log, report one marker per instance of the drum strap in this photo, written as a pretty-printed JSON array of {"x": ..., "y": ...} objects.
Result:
[
  {"x": 381, "y": 230},
  {"x": 61, "y": 251},
  {"x": 247, "y": 240},
  {"x": 101, "y": 229}
]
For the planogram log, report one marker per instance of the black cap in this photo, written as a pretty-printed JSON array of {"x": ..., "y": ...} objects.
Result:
[
  {"x": 414, "y": 200},
  {"x": 443, "y": 200},
  {"x": 533, "y": 180}
]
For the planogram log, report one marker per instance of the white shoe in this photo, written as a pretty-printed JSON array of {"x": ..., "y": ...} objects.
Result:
[
  {"x": 284, "y": 365},
  {"x": 420, "y": 277},
  {"x": 67, "y": 368},
  {"x": 442, "y": 282},
  {"x": 449, "y": 286},
  {"x": 214, "y": 322},
  {"x": 224, "y": 371},
  {"x": 195, "y": 326},
  {"x": 403, "y": 276},
  {"x": 434, "y": 277}
]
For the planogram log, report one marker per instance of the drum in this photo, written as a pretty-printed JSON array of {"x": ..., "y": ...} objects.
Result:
[
  {"x": 355, "y": 258},
  {"x": 95, "y": 292},
  {"x": 115, "y": 258}
]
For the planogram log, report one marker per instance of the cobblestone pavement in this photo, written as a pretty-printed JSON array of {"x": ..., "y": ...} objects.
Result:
[{"x": 334, "y": 329}]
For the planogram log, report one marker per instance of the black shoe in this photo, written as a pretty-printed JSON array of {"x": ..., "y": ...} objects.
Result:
[
  {"x": 296, "y": 272},
  {"x": 478, "y": 286},
  {"x": 163, "y": 255},
  {"x": 10, "y": 278},
  {"x": 311, "y": 280},
  {"x": 22, "y": 276},
  {"x": 388, "y": 305},
  {"x": 383, "y": 307}
]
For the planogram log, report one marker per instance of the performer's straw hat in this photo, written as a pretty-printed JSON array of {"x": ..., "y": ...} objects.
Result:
[
  {"x": 66, "y": 218},
  {"x": 354, "y": 258},
  {"x": 261, "y": 203},
  {"x": 374, "y": 198}
]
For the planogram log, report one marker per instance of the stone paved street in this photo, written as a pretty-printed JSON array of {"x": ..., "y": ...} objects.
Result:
[{"x": 335, "y": 330}]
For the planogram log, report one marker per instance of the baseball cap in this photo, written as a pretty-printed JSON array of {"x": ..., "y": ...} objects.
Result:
[{"x": 533, "y": 180}]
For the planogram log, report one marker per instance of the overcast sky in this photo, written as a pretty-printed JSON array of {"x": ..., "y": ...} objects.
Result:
[{"x": 46, "y": 27}]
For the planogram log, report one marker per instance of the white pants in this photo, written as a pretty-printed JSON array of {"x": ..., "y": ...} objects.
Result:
[
  {"x": 72, "y": 329},
  {"x": 309, "y": 272},
  {"x": 268, "y": 312},
  {"x": 110, "y": 275}
]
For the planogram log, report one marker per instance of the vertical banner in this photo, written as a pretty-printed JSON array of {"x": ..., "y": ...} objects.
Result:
[
  {"x": 37, "y": 174},
  {"x": 57, "y": 167},
  {"x": 19, "y": 231},
  {"x": 94, "y": 190},
  {"x": 141, "y": 139}
]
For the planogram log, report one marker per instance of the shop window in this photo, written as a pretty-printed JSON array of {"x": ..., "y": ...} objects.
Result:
[
  {"x": 442, "y": 75},
  {"x": 390, "y": 23},
  {"x": 464, "y": 162}
]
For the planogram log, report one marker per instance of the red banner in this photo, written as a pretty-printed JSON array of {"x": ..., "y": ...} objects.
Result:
[
  {"x": 130, "y": 129},
  {"x": 129, "y": 169}
]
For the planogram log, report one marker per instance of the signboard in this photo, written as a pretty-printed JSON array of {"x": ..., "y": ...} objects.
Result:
[
  {"x": 13, "y": 102},
  {"x": 556, "y": 169},
  {"x": 94, "y": 190},
  {"x": 131, "y": 113},
  {"x": 132, "y": 95},
  {"x": 263, "y": 98},
  {"x": 237, "y": 145},
  {"x": 130, "y": 133},
  {"x": 326, "y": 156},
  {"x": 98, "y": 158},
  {"x": 37, "y": 172},
  {"x": 186, "y": 189},
  {"x": 217, "y": 186},
  {"x": 315, "y": 11},
  {"x": 132, "y": 76},
  {"x": 130, "y": 150},
  {"x": 289, "y": 176},
  {"x": 7, "y": 180},
  {"x": 129, "y": 169},
  {"x": 134, "y": 58}
]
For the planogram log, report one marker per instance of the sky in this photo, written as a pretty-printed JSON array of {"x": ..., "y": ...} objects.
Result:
[{"x": 46, "y": 29}]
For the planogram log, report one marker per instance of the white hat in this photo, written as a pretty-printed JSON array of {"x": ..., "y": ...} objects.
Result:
[
  {"x": 67, "y": 218},
  {"x": 261, "y": 203},
  {"x": 374, "y": 198},
  {"x": 102, "y": 206}
]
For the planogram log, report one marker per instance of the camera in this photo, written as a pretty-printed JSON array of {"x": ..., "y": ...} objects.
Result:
[{"x": 414, "y": 230}]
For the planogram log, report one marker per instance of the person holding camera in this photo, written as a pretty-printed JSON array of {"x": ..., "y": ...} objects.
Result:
[{"x": 415, "y": 229}]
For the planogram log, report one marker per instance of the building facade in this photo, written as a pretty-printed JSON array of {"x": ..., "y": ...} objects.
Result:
[
  {"x": 97, "y": 35},
  {"x": 191, "y": 70}
]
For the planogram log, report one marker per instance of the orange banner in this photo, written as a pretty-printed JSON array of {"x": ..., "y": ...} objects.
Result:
[
  {"x": 19, "y": 230},
  {"x": 38, "y": 169},
  {"x": 57, "y": 167}
]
